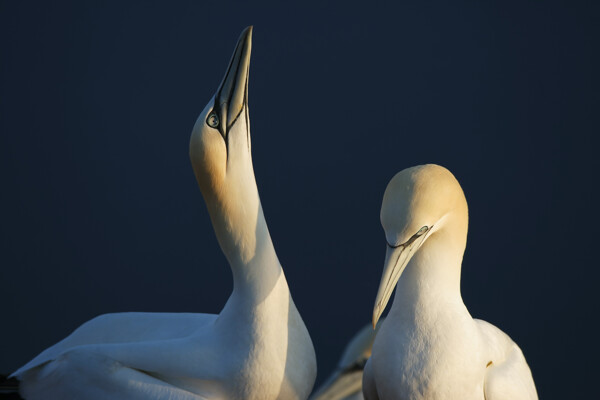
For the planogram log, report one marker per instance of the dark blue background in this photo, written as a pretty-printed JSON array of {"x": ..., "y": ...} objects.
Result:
[{"x": 100, "y": 211}]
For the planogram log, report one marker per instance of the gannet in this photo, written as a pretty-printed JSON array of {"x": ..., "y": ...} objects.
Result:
[
  {"x": 429, "y": 346},
  {"x": 257, "y": 347},
  {"x": 345, "y": 383}
]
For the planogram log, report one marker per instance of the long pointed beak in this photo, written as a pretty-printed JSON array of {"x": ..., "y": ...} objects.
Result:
[
  {"x": 396, "y": 260},
  {"x": 232, "y": 94}
]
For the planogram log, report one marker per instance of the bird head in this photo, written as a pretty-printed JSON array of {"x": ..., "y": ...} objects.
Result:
[
  {"x": 221, "y": 156},
  {"x": 220, "y": 141},
  {"x": 419, "y": 203}
]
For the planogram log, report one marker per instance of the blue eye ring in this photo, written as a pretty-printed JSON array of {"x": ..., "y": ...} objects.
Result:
[
  {"x": 212, "y": 120},
  {"x": 422, "y": 231}
]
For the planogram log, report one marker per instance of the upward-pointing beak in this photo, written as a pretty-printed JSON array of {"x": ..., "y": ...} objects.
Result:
[{"x": 232, "y": 95}]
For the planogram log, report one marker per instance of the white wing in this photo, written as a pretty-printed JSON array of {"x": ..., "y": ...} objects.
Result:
[
  {"x": 123, "y": 328},
  {"x": 85, "y": 375},
  {"x": 346, "y": 381},
  {"x": 508, "y": 376}
]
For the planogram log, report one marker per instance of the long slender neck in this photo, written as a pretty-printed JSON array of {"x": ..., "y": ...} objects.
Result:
[
  {"x": 431, "y": 280},
  {"x": 243, "y": 235},
  {"x": 255, "y": 277}
]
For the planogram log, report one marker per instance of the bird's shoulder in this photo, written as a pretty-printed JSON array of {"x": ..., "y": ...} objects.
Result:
[{"x": 507, "y": 374}]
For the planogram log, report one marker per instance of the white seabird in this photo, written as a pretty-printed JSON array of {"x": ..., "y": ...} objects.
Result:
[
  {"x": 429, "y": 346},
  {"x": 256, "y": 348},
  {"x": 345, "y": 383}
]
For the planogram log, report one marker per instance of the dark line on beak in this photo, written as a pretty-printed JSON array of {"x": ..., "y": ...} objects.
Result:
[
  {"x": 233, "y": 86},
  {"x": 411, "y": 240},
  {"x": 224, "y": 129},
  {"x": 246, "y": 108},
  {"x": 227, "y": 74}
]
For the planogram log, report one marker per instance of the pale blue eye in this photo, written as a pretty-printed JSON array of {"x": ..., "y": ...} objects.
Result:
[
  {"x": 212, "y": 120},
  {"x": 422, "y": 231}
]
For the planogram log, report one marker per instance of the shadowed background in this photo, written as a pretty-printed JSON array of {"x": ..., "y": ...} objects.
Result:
[{"x": 100, "y": 211}]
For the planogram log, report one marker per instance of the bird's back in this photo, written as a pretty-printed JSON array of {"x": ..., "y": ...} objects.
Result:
[{"x": 130, "y": 327}]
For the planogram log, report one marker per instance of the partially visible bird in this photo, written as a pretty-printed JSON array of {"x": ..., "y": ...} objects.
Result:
[
  {"x": 429, "y": 346},
  {"x": 256, "y": 348},
  {"x": 345, "y": 383}
]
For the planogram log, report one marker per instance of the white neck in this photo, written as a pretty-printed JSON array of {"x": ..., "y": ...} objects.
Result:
[
  {"x": 242, "y": 232},
  {"x": 255, "y": 277},
  {"x": 431, "y": 280}
]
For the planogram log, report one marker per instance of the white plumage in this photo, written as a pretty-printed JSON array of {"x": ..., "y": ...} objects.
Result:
[
  {"x": 256, "y": 348},
  {"x": 429, "y": 346},
  {"x": 345, "y": 383}
]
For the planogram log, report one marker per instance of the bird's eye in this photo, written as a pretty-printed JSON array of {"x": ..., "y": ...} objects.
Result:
[
  {"x": 421, "y": 231},
  {"x": 212, "y": 120}
]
